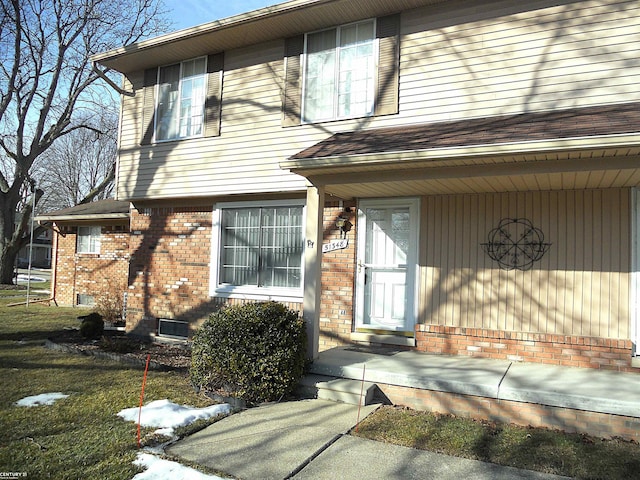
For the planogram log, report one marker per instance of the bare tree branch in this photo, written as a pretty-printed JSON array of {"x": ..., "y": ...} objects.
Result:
[{"x": 46, "y": 81}]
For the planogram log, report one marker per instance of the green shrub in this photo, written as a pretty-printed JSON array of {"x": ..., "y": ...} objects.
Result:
[
  {"x": 254, "y": 351},
  {"x": 92, "y": 326}
]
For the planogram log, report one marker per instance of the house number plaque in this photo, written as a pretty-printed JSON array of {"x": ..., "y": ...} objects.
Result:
[{"x": 335, "y": 245}]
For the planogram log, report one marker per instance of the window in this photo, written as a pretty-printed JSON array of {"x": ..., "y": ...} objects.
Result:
[
  {"x": 88, "y": 240},
  {"x": 260, "y": 248},
  {"x": 331, "y": 74},
  {"x": 339, "y": 75},
  {"x": 172, "y": 328},
  {"x": 84, "y": 300},
  {"x": 181, "y": 98}
]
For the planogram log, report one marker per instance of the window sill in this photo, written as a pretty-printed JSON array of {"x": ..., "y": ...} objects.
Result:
[
  {"x": 333, "y": 120},
  {"x": 175, "y": 140},
  {"x": 261, "y": 295}
]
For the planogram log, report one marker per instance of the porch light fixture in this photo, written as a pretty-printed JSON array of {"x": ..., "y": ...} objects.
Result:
[
  {"x": 515, "y": 244},
  {"x": 344, "y": 225}
]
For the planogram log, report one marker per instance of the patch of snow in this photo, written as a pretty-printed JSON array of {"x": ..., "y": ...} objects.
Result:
[
  {"x": 167, "y": 415},
  {"x": 24, "y": 278},
  {"x": 42, "y": 399},
  {"x": 159, "y": 469}
]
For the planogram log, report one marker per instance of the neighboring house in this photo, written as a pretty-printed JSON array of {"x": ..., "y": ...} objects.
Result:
[
  {"x": 39, "y": 251},
  {"x": 449, "y": 176},
  {"x": 90, "y": 252}
]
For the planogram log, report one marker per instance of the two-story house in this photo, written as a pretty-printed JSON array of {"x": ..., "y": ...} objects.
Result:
[{"x": 448, "y": 176}]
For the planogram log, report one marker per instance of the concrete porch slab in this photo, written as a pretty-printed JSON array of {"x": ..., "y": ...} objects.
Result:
[
  {"x": 464, "y": 375},
  {"x": 586, "y": 389}
]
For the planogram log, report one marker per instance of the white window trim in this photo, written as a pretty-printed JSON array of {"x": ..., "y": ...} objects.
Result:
[
  {"x": 277, "y": 294},
  {"x": 89, "y": 252},
  {"x": 157, "y": 99},
  {"x": 634, "y": 298},
  {"x": 376, "y": 43}
]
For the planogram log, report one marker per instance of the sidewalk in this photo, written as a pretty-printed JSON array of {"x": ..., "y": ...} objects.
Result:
[{"x": 308, "y": 439}]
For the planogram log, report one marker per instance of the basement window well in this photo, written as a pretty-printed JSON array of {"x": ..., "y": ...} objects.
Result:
[{"x": 173, "y": 328}]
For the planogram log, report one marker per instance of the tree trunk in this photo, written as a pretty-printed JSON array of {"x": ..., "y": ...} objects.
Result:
[
  {"x": 13, "y": 229},
  {"x": 8, "y": 251},
  {"x": 7, "y": 264}
]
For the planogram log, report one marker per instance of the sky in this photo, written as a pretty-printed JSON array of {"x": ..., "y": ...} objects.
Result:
[{"x": 189, "y": 13}]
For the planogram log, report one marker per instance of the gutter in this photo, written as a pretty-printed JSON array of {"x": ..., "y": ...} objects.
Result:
[
  {"x": 112, "y": 84},
  {"x": 210, "y": 27},
  {"x": 435, "y": 154},
  {"x": 61, "y": 218}
]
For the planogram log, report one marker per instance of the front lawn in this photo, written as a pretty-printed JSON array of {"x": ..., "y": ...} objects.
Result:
[
  {"x": 82, "y": 437},
  {"x": 79, "y": 436},
  {"x": 540, "y": 449}
]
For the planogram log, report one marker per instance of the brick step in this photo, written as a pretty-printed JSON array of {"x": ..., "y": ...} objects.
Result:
[{"x": 334, "y": 389}]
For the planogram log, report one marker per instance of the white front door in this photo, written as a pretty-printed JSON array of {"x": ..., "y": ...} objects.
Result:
[{"x": 387, "y": 264}]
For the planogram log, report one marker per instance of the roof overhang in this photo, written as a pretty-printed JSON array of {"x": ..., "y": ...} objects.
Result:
[
  {"x": 524, "y": 170},
  {"x": 98, "y": 211},
  {"x": 548, "y": 151},
  {"x": 81, "y": 218},
  {"x": 274, "y": 22},
  {"x": 490, "y": 153}
]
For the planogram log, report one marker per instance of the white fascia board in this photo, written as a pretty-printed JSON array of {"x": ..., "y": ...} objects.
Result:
[
  {"x": 209, "y": 27},
  {"x": 433, "y": 154},
  {"x": 66, "y": 218}
]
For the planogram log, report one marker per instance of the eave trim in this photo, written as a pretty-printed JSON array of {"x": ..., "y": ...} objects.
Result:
[{"x": 483, "y": 150}]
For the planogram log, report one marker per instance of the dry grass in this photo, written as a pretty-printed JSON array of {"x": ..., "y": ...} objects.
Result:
[
  {"x": 80, "y": 436},
  {"x": 540, "y": 449}
]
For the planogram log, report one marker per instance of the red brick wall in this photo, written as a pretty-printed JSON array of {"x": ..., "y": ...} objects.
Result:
[
  {"x": 169, "y": 278},
  {"x": 91, "y": 274},
  {"x": 338, "y": 269},
  {"x": 506, "y": 411},
  {"x": 169, "y": 274},
  {"x": 170, "y": 268},
  {"x": 572, "y": 351}
]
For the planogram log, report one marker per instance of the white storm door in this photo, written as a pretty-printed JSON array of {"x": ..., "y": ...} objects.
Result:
[{"x": 387, "y": 264}]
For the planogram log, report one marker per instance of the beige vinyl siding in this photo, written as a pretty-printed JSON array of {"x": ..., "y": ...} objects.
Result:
[
  {"x": 131, "y": 122},
  {"x": 580, "y": 287},
  {"x": 477, "y": 63},
  {"x": 498, "y": 58},
  {"x": 241, "y": 160}
]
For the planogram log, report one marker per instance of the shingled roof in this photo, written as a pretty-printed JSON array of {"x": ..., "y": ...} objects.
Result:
[
  {"x": 571, "y": 123},
  {"x": 102, "y": 209}
]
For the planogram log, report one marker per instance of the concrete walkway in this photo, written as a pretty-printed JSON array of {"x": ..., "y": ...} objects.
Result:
[{"x": 308, "y": 439}]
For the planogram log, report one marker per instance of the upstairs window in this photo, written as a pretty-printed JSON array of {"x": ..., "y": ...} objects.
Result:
[
  {"x": 343, "y": 72},
  {"x": 340, "y": 72},
  {"x": 88, "y": 240},
  {"x": 180, "y": 100}
]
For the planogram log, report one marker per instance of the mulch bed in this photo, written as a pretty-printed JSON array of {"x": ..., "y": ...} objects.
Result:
[{"x": 116, "y": 345}]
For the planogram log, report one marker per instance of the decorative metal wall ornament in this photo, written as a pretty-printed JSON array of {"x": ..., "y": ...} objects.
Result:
[{"x": 515, "y": 244}]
